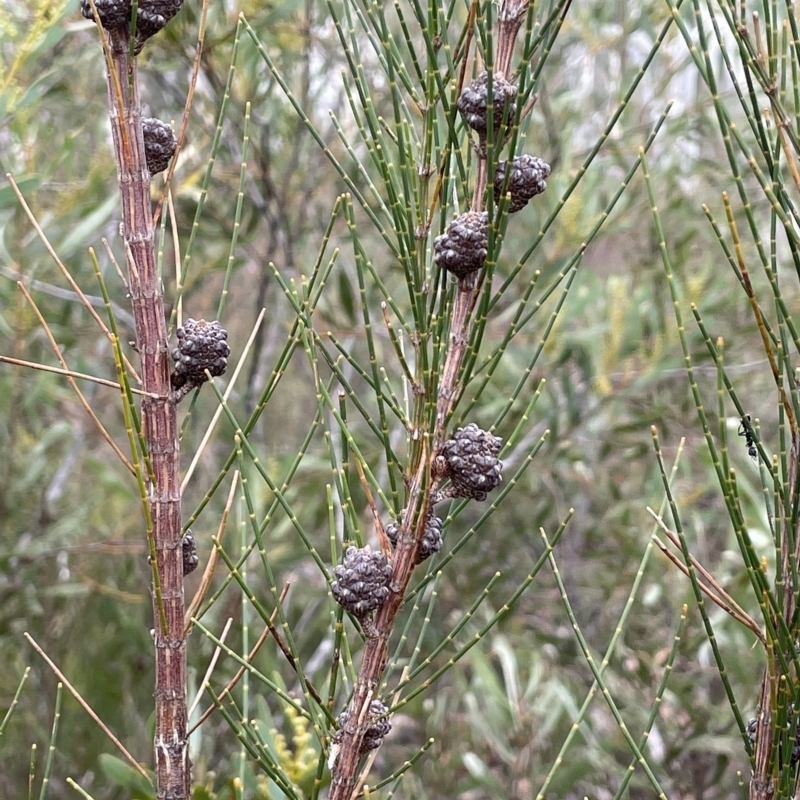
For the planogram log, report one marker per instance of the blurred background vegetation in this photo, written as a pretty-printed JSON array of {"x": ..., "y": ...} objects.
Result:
[{"x": 73, "y": 568}]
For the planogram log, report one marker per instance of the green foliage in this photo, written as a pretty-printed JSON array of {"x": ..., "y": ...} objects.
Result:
[
  {"x": 120, "y": 773},
  {"x": 355, "y": 97},
  {"x": 764, "y": 209}
]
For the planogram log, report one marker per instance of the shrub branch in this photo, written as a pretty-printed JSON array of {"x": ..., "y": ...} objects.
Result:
[
  {"x": 421, "y": 487},
  {"x": 159, "y": 421}
]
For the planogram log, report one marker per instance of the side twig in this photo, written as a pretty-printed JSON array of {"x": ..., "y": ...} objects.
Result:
[{"x": 87, "y": 708}]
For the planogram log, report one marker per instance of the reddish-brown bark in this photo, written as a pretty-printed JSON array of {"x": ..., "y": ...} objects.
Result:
[{"x": 158, "y": 423}]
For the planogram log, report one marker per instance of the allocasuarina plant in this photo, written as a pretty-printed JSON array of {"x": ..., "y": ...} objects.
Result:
[
  {"x": 463, "y": 463},
  {"x": 144, "y": 147},
  {"x": 369, "y": 584}
]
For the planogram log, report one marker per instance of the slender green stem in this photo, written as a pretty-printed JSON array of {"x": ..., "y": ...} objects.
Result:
[
  {"x": 223, "y": 110},
  {"x": 662, "y": 687},
  {"x": 560, "y": 760},
  {"x": 640, "y": 759},
  {"x": 237, "y": 218},
  {"x": 51, "y": 750},
  {"x": 15, "y": 700}
]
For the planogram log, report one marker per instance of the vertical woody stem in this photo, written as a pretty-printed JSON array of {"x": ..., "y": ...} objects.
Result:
[
  {"x": 512, "y": 15},
  {"x": 420, "y": 486},
  {"x": 158, "y": 422},
  {"x": 377, "y": 643}
]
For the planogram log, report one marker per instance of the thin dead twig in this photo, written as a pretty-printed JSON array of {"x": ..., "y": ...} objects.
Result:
[
  {"x": 19, "y": 362},
  {"x": 211, "y": 664},
  {"x": 218, "y": 411},
  {"x": 208, "y": 572},
  {"x": 84, "y": 402},
  {"x": 64, "y": 271},
  {"x": 386, "y": 546},
  {"x": 201, "y": 34},
  {"x": 123, "y": 316},
  {"x": 250, "y": 656},
  {"x": 87, "y": 708},
  {"x": 116, "y": 265},
  {"x": 711, "y": 587}
]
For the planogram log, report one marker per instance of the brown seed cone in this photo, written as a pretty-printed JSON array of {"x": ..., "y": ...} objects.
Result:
[
  {"x": 159, "y": 144},
  {"x": 464, "y": 245},
  {"x": 471, "y": 462},
  {"x": 375, "y": 733},
  {"x": 474, "y": 101},
  {"x": 153, "y": 16},
  {"x": 201, "y": 346},
  {"x": 362, "y": 581},
  {"x": 526, "y": 180},
  {"x": 112, "y": 13},
  {"x": 190, "y": 559},
  {"x": 752, "y": 728},
  {"x": 431, "y": 541}
]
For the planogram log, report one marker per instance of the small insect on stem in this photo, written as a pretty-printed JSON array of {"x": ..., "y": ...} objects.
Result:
[{"x": 746, "y": 430}]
